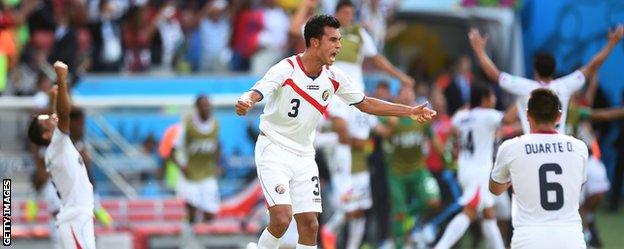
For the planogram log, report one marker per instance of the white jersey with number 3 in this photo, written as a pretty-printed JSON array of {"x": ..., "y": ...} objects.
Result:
[
  {"x": 477, "y": 128},
  {"x": 295, "y": 102},
  {"x": 546, "y": 172}
]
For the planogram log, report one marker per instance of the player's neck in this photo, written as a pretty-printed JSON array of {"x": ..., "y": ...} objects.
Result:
[
  {"x": 544, "y": 80},
  {"x": 311, "y": 66},
  {"x": 543, "y": 129}
]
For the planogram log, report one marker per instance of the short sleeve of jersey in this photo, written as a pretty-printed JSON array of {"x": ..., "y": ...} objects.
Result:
[
  {"x": 571, "y": 82},
  {"x": 272, "y": 80},
  {"x": 494, "y": 118},
  {"x": 59, "y": 142},
  {"x": 347, "y": 90},
  {"x": 515, "y": 84},
  {"x": 500, "y": 172},
  {"x": 457, "y": 118},
  {"x": 584, "y": 153},
  {"x": 368, "y": 45}
]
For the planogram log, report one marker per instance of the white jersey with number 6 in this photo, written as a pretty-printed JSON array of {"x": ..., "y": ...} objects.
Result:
[{"x": 546, "y": 172}]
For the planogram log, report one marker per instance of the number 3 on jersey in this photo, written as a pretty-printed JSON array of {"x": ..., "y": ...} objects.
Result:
[
  {"x": 546, "y": 186},
  {"x": 295, "y": 108}
]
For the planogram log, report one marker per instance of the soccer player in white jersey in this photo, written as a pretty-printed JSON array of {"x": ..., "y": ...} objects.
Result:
[
  {"x": 546, "y": 171},
  {"x": 476, "y": 128},
  {"x": 69, "y": 175},
  {"x": 297, "y": 91},
  {"x": 545, "y": 68}
]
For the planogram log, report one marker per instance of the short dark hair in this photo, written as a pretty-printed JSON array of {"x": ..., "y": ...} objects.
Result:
[
  {"x": 344, "y": 3},
  {"x": 35, "y": 132},
  {"x": 315, "y": 27},
  {"x": 479, "y": 92},
  {"x": 544, "y": 105},
  {"x": 544, "y": 64},
  {"x": 199, "y": 98}
]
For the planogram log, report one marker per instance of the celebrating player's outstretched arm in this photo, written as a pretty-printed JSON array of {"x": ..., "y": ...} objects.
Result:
[
  {"x": 420, "y": 113},
  {"x": 478, "y": 43},
  {"x": 63, "y": 102}
]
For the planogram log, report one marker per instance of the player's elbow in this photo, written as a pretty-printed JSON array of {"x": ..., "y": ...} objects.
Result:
[
  {"x": 365, "y": 105},
  {"x": 496, "y": 188}
]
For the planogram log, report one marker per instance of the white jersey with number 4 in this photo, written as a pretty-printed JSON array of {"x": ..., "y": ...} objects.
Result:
[
  {"x": 522, "y": 87},
  {"x": 546, "y": 172},
  {"x": 477, "y": 128},
  {"x": 295, "y": 102}
]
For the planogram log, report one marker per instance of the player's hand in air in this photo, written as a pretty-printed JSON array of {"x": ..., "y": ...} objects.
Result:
[
  {"x": 477, "y": 41},
  {"x": 407, "y": 81},
  {"x": 61, "y": 70},
  {"x": 243, "y": 105},
  {"x": 422, "y": 113},
  {"x": 616, "y": 35}
]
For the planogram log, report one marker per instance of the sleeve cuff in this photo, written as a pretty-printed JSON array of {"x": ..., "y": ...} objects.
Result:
[
  {"x": 497, "y": 181},
  {"x": 261, "y": 95},
  {"x": 363, "y": 98}
]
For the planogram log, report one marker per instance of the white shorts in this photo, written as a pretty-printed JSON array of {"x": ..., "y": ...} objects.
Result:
[
  {"x": 339, "y": 165},
  {"x": 203, "y": 195},
  {"x": 360, "y": 196},
  {"x": 548, "y": 237},
  {"x": 287, "y": 178},
  {"x": 475, "y": 193},
  {"x": 75, "y": 229},
  {"x": 502, "y": 205},
  {"x": 597, "y": 181}
]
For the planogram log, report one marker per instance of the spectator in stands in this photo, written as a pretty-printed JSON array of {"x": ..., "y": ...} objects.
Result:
[
  {"x": 170, "y": 37},
  {"x": 10, "y": 20},
  {"x": 246, "y": 27},
  {"x": 105, "y": 29},
  {"x": 65, "y": 48},
  {"x": 198, "y": 141},
  {"x": 272, "y": 39},
  {"x": 456, "y": 84},
  {"x": 214, "y": 31},
  {"x": 137, "y": 34}
]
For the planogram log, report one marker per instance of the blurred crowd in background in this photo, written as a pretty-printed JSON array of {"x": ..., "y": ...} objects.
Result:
[{"x": 156, "y": 36}]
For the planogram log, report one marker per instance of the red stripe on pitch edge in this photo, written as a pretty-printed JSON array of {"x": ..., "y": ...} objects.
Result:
[
  {"x": 75, "y": 240},
  {"x": 335, "y": 83},
  {"x": 305, "y": 96}
]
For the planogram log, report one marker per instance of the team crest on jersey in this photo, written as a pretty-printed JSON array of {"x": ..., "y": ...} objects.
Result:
[
  {"x": 280, "y": 189},
  {"x": 325, "y": 95}
]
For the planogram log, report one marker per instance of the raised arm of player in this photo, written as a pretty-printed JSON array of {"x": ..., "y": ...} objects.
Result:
[
  {"x": 613, "y": 38},
  {"x": 63, "y": 103},
  {"x": 379, "y": 107},
  {"x": 607, "y": 114},
  {"x": 478, "y": 42},
  {"x": 382, "y": 63},
  {"x": 301, "y": 17}
]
